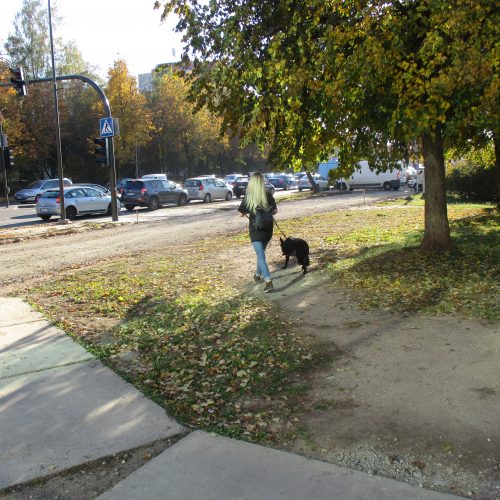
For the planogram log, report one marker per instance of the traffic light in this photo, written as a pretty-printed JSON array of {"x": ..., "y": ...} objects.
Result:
[
  {"x": 101, "y": 150},
  {"x": 18, "y": 80},
  {"x": 8, "y": 159}
]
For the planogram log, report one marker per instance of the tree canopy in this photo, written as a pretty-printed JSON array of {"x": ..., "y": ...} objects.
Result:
[{"x": 366, "y": 78}]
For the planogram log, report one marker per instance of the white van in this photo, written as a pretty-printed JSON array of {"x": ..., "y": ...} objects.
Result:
[{"x": 363, "y": 177}]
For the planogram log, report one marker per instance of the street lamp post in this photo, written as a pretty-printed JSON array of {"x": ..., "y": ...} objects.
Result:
[{"x": 58, "y": 129}]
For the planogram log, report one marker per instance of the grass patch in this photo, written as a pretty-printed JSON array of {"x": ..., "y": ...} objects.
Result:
[
  {"x": 381, "y": 265},
  {"x": 228, "y": 362},
  {"x": 185, "y": 338}
]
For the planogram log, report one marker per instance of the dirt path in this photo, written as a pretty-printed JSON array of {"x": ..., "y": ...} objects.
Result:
[{"x": 407, "y": 396}]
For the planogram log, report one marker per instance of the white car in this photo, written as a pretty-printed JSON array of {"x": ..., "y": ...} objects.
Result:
[
  {"x": 207, "y": 189},
  {"x": 78, "y": 200},
  {"x": 320, "y": 181}
]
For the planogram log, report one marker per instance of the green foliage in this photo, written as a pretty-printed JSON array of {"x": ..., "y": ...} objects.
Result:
[
  {"x": 471, "y": 180},
  {"x": 368, "y": 78}
]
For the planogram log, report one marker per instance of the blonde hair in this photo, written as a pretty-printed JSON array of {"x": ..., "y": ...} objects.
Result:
[{"x": 256, "y": 195}]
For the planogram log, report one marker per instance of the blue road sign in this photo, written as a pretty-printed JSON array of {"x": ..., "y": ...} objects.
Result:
[{"x": 106, "y": 127}]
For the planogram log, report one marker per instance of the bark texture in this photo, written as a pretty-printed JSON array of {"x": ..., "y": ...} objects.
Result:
[
  {"x": 437, "y": 228},
  {"x": 496, "y": 140}
]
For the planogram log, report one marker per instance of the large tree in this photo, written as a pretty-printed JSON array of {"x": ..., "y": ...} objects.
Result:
[
  {"x": 182, "y": 139},
  {"x": 129, "y": 106},
  {"x": 28, "y": 47},
  {"x": 365, "y": 77}
]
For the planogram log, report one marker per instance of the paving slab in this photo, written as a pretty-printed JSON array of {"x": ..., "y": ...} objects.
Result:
[
  {"x": 59, "y": 418},
  {"x": 14, "y": 310},
  {"x": 212, "y": 467},
  {"x": 36, "y": 345}
]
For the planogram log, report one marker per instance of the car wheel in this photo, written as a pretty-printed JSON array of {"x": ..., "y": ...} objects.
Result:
[
  {"x": 207, "y": 198},
  {"x": 396, "y": 188},
  {"x": 300, "y": 190},
  {"x": 109, "y": 211},
  {"x": 71, "y": 213},
  {"x": 153, "y": 204},
  {"x": 130, "y": 207},
  {"x": 238, "y": 195},
  {"x": 229, "y": 196},
  {"x": 45, "y": 217},
  {"x": 387, "y": 186},
  {"x": 182, "y": 200}
]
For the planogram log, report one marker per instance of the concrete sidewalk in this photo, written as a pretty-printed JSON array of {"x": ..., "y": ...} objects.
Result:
[
  {"x": 210, "y": 467},
  {"x": 60, "y": 407}
]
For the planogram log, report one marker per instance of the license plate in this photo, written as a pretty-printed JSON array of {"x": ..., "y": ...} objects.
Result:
[{"x": 42, "y": 210}]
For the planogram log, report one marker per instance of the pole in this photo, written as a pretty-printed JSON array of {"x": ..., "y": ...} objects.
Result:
[
  {"x": 3, "y": 140},
  {"x": 112, "y": 177},
  {"x": 58, "y": 130},
  {"x": 136, "y": 162}
]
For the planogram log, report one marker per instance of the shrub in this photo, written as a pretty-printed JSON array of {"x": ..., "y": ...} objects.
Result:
[{"x": 471, "y": 181}]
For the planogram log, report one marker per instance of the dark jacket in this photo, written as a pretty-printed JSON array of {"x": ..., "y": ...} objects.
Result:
[{"x": 254, "y": 234}]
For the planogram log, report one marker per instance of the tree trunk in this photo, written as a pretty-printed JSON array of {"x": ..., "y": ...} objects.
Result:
[
  {"x": 437, "y": 229},
  {"x": 497, "y": 167},
  {"x": 314, "y": 186}
]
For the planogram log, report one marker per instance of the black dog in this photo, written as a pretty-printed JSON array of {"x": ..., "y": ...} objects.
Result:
[{"x": 297, "y": 247}]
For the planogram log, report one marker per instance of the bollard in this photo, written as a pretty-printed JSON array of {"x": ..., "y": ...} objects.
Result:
[{"x": 136, "y": 215}]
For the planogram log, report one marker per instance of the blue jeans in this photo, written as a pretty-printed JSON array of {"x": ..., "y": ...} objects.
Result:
[{"x": 260, "y": 250}]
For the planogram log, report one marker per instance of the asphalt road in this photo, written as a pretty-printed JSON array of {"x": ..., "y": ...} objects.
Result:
[
  {"x": 22, "y": 215},
  {"x": 156, "y": 231}
]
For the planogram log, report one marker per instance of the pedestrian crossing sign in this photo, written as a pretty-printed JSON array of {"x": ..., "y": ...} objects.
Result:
[{"x": 106, "y": 127}]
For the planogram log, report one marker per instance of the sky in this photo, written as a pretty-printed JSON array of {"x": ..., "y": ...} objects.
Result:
[{"x": 105, "y": 30}]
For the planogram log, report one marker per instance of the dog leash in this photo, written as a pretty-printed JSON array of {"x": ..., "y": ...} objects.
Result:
[{"x": 274, "y": 220}]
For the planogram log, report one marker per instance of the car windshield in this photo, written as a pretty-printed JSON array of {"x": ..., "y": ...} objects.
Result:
[
  {"x": 34, "y": 185},
  {"x": 134, "y": 185},
  {"x": 192, "y": 183}
]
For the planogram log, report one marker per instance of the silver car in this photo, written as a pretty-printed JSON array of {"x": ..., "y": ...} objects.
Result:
[
  {"x": 320, "y": 181},
  {"x": 206, "y": 189},
  {"x": 33, "y": 191},
  {"x": 78, "y": 200}
]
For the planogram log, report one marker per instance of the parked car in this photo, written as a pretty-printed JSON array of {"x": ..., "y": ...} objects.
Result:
[
  {"x": 320, "y": 181},
  {"x": 281, "y": 181},
  {"x": 163, "y": 177},
  {"x": 152, "y": 193},
  {"x": 32, "y": 192},
  {"x": 103, "y": 189},
  {"x": 207, "y": 189},
  {"x": 78, "y": 200},
  {"x": 240, "y": 187},
  {"x": 230, "y": 179},
  {"x": 299, "y": 175}
]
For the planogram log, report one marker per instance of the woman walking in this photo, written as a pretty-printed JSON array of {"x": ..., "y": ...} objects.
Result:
[{"x": 260, "y": 206}]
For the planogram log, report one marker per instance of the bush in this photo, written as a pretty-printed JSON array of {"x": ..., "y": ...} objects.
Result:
[{"x": 471, "y": 181}]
